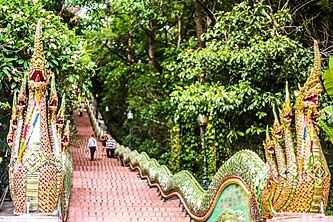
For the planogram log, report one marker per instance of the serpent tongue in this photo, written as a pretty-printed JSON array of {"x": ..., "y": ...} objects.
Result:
[{"x": 37, "y": 79}]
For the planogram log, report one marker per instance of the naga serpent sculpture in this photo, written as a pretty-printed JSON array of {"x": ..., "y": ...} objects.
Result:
[
  {"x": 299, "y": 178},
  {"x": 294, "y": 180},
  {"x": 38, "y": 145}
]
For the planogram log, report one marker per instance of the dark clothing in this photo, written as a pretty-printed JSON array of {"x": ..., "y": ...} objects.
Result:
[
  {"x": 104, "y": 139},
  {"x": 110, "y": 153},
  {"x": 92, "y": 152}
]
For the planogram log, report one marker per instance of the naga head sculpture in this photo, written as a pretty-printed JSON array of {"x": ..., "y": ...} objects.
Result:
[
  {"x": 65, "y": 137},
  {"x": 277, "y": 129},
  {"x": 269, "y": 145},
  {"x": 38, "y": 75},
  {"x": 61, "y": 113},
  {"x": 21, "y": 103},
  {"x": 286, "y": 112},
  {"x": 308, "y": 94},
  {"x": 53, "y": 104},
  {"x": 298, "y": 179}
]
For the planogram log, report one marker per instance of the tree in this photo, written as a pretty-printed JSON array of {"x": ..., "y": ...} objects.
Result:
[
  {"x": 234, "y": 80},
  {"x": 130, "y": 51},
  {"x": 312, "y": 19}
]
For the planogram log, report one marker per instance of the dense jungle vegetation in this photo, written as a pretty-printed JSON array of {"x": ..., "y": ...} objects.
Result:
[{"x": 169, "y": 61}]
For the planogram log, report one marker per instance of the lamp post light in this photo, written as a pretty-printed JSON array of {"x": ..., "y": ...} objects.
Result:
[
  {"x": 96, "y": 107},
  {"x": 106, "y": 119},
  {"x": 203, "y": 121},
  {"x": 130, "y": 118}
]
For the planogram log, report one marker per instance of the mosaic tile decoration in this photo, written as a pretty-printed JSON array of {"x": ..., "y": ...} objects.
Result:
[{"x": 232, "y": 204}]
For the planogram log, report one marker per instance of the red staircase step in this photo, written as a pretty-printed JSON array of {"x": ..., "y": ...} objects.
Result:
[{"x": 103, "y": 190}]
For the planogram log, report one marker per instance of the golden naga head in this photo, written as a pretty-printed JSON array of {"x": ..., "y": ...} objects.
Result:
[
  {"x": 21, "y": 103},
  {"x": 286, "y": 112},
  {"x": 61, "y": 113},
  {"x": 38, "y": 75},
  {"x": 277, "y": 129},
  {"x": 53, "y": 104},
  {"x": 308, "y": 95},
  {"x": 65, "y": 137},
  {"x": 269, "y": 144}
]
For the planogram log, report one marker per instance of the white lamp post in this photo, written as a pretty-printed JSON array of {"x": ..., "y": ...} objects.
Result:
[
  {"x": 130, "y": 118},
  {"x": 203, "y": 121}
]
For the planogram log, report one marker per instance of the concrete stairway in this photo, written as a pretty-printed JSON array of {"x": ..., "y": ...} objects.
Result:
[{"x": 103, "y": 190}]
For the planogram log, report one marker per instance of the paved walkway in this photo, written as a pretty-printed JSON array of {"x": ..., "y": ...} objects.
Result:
[{"x": 103, "y": 190}]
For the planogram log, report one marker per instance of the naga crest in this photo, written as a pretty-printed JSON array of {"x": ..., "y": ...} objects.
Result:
[
  {"x": 38, "y": 150},
  {"x": 298, "y": 178}
]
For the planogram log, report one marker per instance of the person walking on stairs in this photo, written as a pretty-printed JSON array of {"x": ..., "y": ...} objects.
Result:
[
  {"x": 92, "y": 144},
  {"x": 104, "y": 139},
  {"x": 110, "y": 147}
]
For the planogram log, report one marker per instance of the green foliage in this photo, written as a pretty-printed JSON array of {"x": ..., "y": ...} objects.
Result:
[
  {"x": 328, "y": 79},
  {"x": 138, "y": 86},
  {"x": 236, "y": 79},
  {"x": 312, "y": 19},
  {"x": 326, "y": 121},
  {"x": 4, "y": 105}
]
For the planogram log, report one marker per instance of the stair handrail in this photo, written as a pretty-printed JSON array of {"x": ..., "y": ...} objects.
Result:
[{"x": 198, "y": 203}]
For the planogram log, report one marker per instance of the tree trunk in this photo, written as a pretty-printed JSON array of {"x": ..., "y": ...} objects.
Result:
[
  {"x": 179, "y": 31},
  {"x": 251, "y": 3},
  {"x": 199, "y": 24},
  {"x": 151, "y": 42},
  {"x": 130, "y": 48}
]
